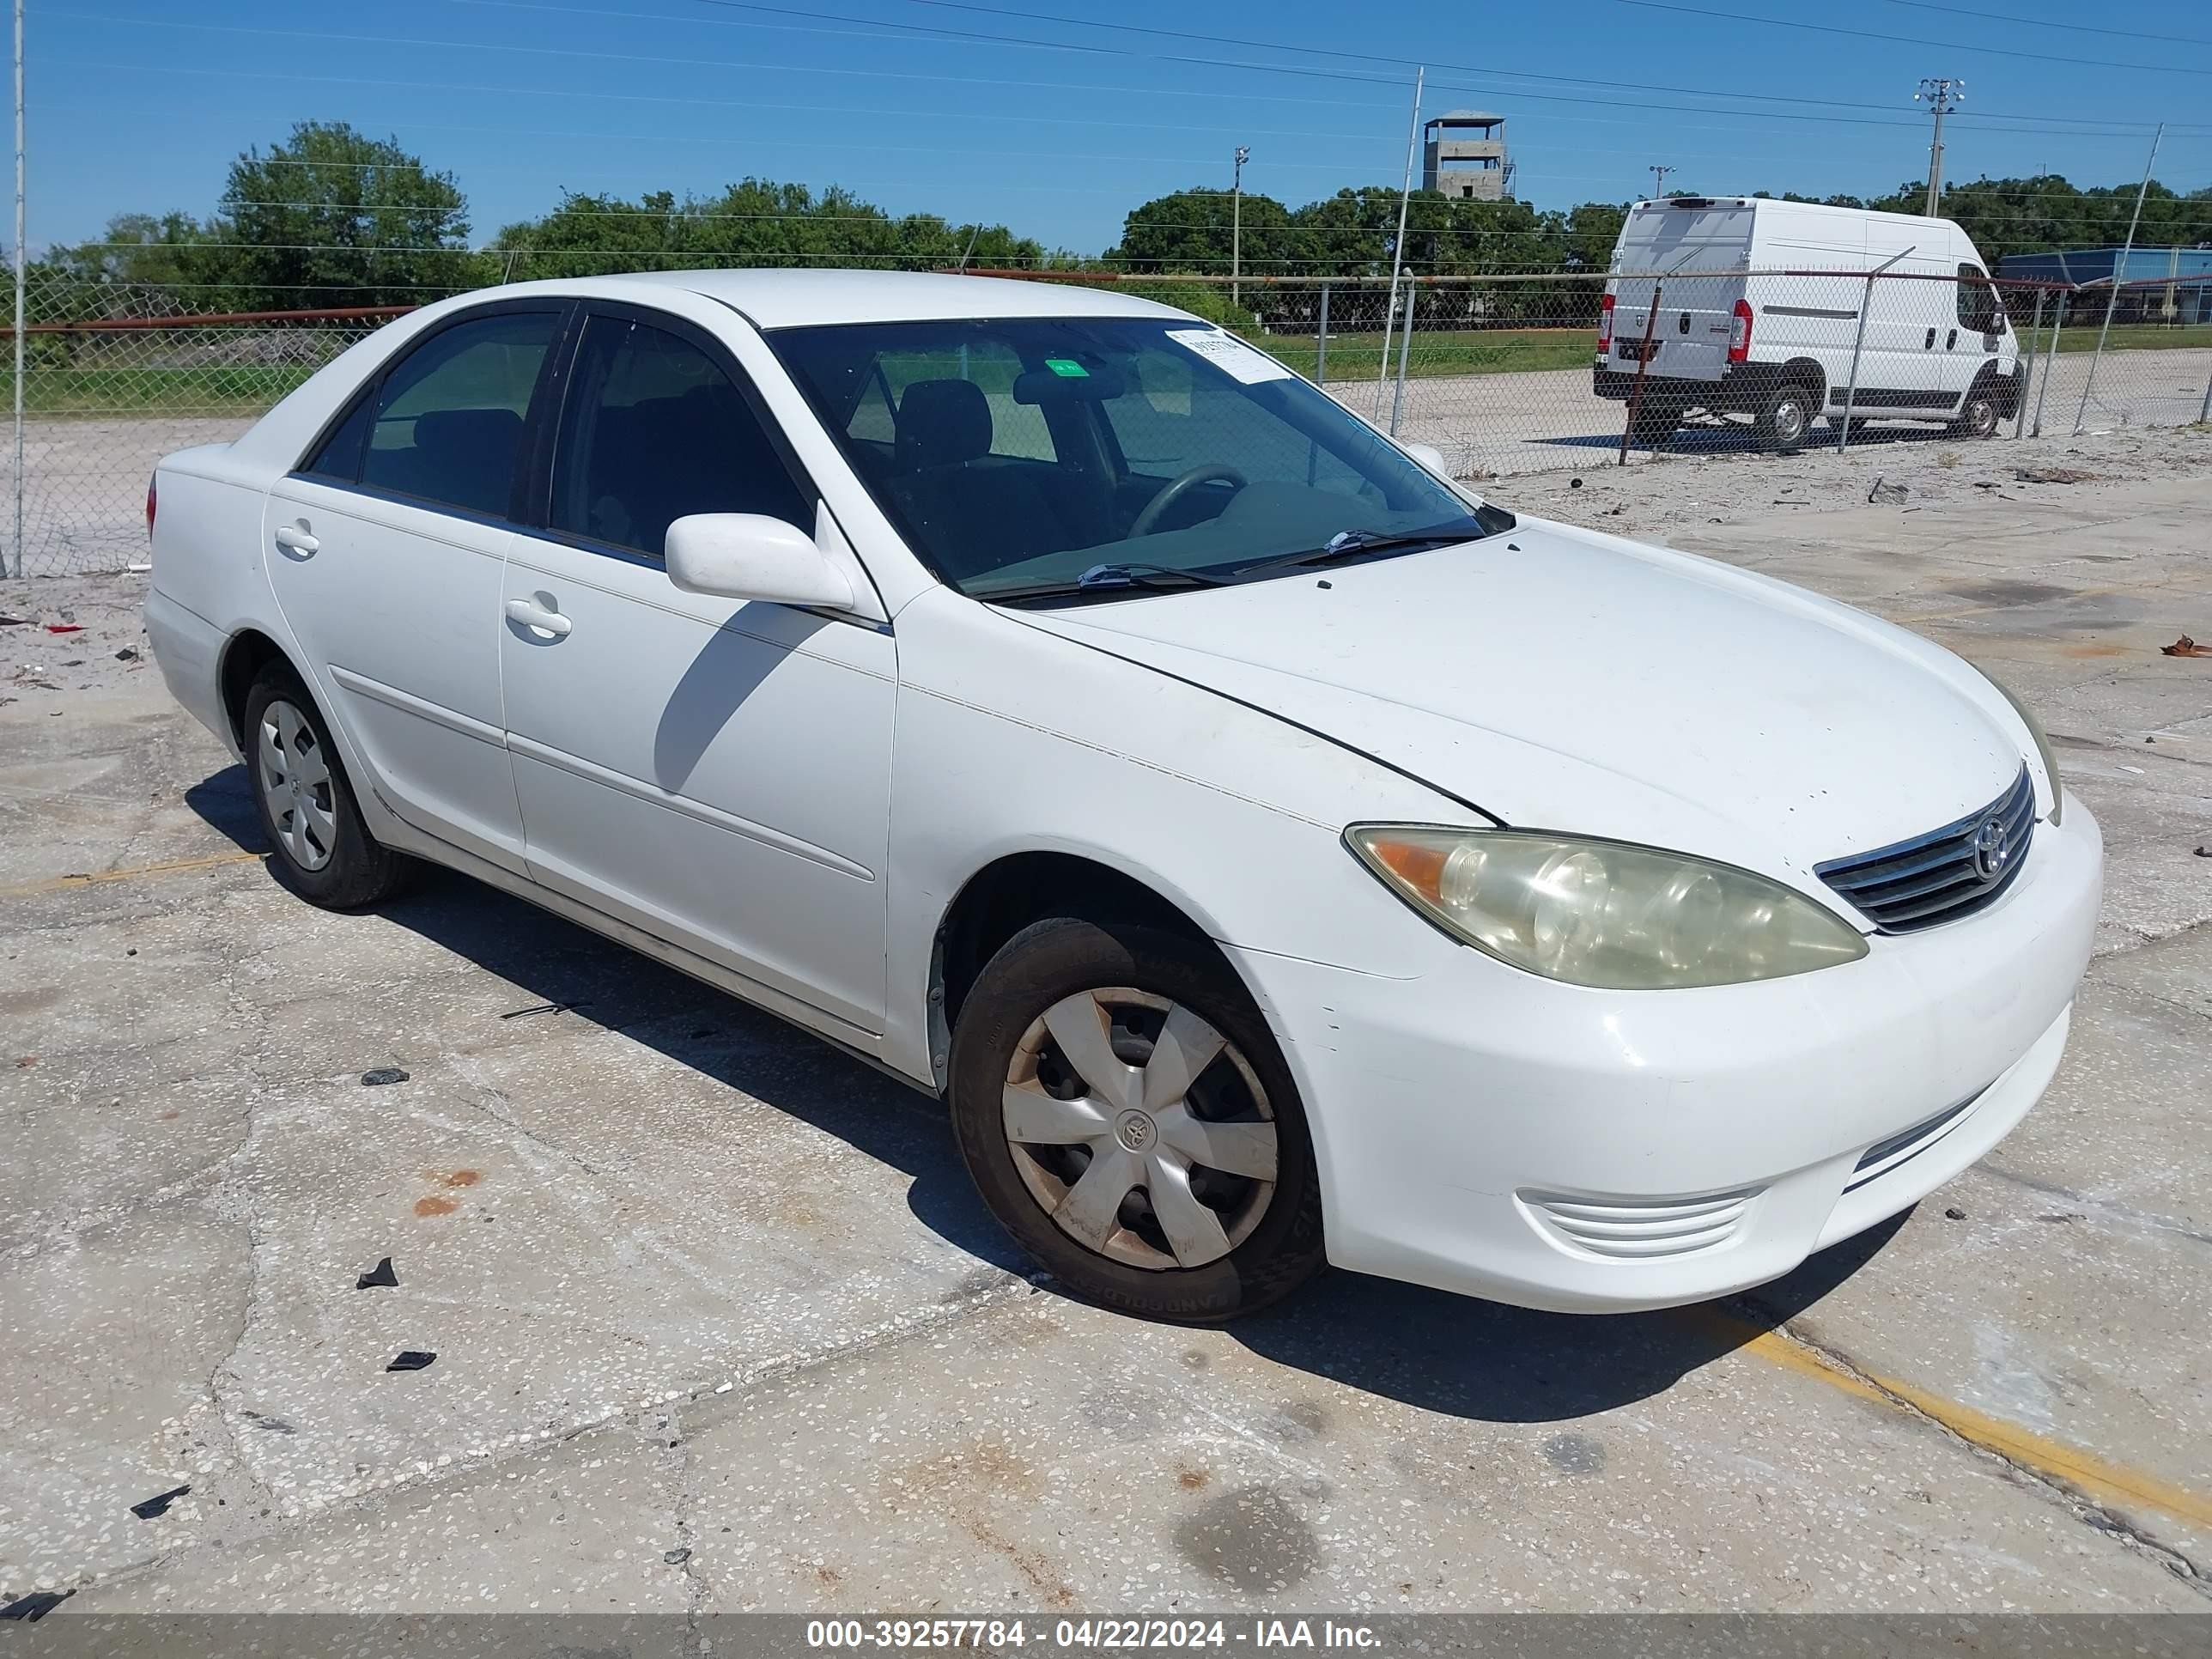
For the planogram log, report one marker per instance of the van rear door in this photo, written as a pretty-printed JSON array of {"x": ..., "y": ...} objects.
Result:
[{"x": 1676, "y": 247}]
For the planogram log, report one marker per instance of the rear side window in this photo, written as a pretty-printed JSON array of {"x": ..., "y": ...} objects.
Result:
[
  {"x": 448, "y": 423},
  {"x": 654, "y": 429},
  {"x": 339, "y": 456},
  {"x": 1978, "y": 306}
]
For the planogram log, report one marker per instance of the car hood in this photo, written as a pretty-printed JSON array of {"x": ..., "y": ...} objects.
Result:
[{"x": 1555, "y": 678}]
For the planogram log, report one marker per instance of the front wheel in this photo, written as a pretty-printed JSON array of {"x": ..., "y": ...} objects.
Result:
[
  {"x": 1977, "y": 415},
  {"x": 1126, "y": 1117}
]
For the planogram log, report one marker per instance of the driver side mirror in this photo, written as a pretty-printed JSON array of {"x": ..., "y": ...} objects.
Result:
[{"x": 748, "y": 555}]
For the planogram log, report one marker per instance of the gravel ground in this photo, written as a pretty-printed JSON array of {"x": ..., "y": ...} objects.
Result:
[
  {"x": 107, "y": 647},
  {"x": 1657, "y": 496}
]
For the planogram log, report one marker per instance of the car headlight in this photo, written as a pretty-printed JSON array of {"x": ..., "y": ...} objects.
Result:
[
  {"x": 2043, "y": 749},
  {"x": 1602, "y": 913}
]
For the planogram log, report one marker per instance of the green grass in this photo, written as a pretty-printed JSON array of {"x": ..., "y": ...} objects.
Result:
[
  {"x": 2080, "y": 334},
  {"x": 242, "y": 390},
  {"x": 237, "y": 389},
  {"x": 1441, "y": 351}
]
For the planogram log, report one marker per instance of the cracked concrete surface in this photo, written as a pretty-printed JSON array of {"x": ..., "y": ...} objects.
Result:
[{"x": 719, "y": 1325}]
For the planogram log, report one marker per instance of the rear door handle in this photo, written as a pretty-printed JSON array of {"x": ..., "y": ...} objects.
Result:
[
  {"x": 528, "y": 613},
  {"x": 295, "y": 538}
]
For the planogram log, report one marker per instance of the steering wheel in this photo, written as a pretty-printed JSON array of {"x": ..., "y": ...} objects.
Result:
[{"x": 1178, "y": 487}]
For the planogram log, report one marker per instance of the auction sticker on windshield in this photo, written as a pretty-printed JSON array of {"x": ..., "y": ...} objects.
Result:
[{"x": 1227, "y": 351}]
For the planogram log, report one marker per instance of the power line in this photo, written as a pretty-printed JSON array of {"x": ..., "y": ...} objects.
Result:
[
  {"x": 1333, "y": 52},
  {"x": 1913, "y": 40},
  {"x": 2020, "y": 22}
]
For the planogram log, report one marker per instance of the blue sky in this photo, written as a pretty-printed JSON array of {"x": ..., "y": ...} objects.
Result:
[{"x": 129, "y": 108}]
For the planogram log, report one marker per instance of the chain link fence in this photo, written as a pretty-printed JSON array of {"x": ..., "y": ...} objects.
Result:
[{"x": 1504, "y": 375}]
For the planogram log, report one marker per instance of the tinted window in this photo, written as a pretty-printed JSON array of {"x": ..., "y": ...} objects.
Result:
[
  {"x": 340, "y": 456},
  {"x": 448, "y": 425},
  {"x": 1979, "y": 307},
  {"x": 653, "y": 428},
  {"x": 1024, "y": 451}
]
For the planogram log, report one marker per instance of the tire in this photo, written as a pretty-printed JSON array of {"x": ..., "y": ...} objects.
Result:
[
  {"x": 1118, "y": 988},
  {"x": 323, "y": 852},
  {"x": 1785, "y": 419},
  {"x": 1978, "y": 415},
  {"x": 1653, "y": 424}
]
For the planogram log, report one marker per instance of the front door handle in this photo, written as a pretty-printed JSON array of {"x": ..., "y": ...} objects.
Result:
[
  {"x": 294, "y": 537},
  {"x": 528, "y": 613}
]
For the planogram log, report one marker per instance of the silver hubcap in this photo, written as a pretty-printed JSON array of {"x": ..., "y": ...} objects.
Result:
[
  {"x": 1142, "y": 1131},
  {"x": 1789, "y": 421},
  {"x": 296, "y": 781}
]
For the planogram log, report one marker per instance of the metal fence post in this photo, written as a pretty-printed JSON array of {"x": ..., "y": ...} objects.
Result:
[
  {"x": 1858, "y": 345},
  {"x": 2027, "y": 368},
  {"x": 21, "y": 321},
  {"x": 2049, "y": 361},
  {"x": 2120, "y": 276},
  {"x": 1321, "y": 352},
  {"x": 2204, "y": 408},
  {"x": 1405, "y": 347}
]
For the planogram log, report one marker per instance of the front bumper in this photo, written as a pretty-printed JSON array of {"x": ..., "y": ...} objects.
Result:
[{"x": 1486, "y": 1131}]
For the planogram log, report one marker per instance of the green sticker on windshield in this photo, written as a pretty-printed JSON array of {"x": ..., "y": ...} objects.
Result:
[{"x": 1068, "y": 368}]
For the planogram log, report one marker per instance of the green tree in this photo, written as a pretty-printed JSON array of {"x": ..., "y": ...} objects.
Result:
[
  {"x": 1194, "y": 230},
  {"x": 330, "y": 216},
  {"x": 755, "y": 222}
]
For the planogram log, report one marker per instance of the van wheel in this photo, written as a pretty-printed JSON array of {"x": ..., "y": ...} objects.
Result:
[
  {"x": 1785, "y": 419},
  {"x": 1653, "y": 423},
  {"x": 1126, "y": 1117},
  {"x": 1977, "y": 415},
  {"x": 324, "y": 853}
]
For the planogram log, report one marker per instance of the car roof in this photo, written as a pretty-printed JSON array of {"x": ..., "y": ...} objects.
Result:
[{"x": 790, "y": 299}]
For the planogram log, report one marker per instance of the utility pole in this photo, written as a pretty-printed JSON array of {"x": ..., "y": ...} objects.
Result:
[
  {"x": 1659, "y": 178},
  {"x": 1237, "y": 226},
  {"x": 1942, "y": 94}
]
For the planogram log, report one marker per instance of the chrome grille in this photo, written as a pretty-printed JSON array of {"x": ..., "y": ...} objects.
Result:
[{"x": 1944, "y": 874}]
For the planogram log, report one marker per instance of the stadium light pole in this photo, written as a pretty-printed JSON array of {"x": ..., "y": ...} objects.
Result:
[
  {"x": 1237, "y": 226},
  {"x": 1942, "y": 94}
]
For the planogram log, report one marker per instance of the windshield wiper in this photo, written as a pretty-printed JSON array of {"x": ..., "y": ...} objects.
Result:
[
  {"x": 1104, "y": 581},
  {"x": 1358, "y": 543}
]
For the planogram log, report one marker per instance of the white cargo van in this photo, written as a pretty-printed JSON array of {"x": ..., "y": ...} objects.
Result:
[{"x": 1779, "y": 346}]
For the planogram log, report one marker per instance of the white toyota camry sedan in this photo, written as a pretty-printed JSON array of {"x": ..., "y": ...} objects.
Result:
[{"x": 1270, "y": 852}]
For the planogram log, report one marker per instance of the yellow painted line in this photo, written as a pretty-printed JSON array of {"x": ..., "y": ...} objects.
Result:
[
  {"x": 136, "y": 872},
  {"x": 2083, "y": 1471}
]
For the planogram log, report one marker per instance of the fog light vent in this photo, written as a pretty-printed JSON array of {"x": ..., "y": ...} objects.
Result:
[{"x": 1641, "y": 1229}]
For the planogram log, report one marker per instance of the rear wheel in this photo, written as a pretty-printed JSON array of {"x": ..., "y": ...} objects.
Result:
[
  {"x": 1127, "y": 1118},
  {"x": 324, "y": 851},
  {"x": 1653, "y": 422},
  {"x": 1785, "y": 419},
  {"x": 1977, "y": 415}
]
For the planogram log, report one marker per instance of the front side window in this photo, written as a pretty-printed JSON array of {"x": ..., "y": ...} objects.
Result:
[
  {"x": 1979, "y": 309},
  {"x": 654, "y": 429},
  {"x": 447, "y": 427},
  {"x": 1025, "y": 454}
]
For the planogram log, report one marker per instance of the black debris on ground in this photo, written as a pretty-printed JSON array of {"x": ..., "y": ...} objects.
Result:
[
  {"x": 411, "y": 1359},
  {"x": 1955, "y": 1213},
  {"x": 676, "y": 1558},
  {"x": 158, "y": 1505},
  {"x": 382, "y": 1075},
  {"x": 379, "y": 1277},
  {"x": 36, "y": 1606}
]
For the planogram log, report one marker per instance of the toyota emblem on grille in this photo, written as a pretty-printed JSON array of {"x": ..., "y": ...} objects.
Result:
[{"x": 1992, "y": 854}]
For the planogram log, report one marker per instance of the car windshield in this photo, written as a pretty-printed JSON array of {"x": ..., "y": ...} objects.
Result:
[{"x": 1036, "y": 458}]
